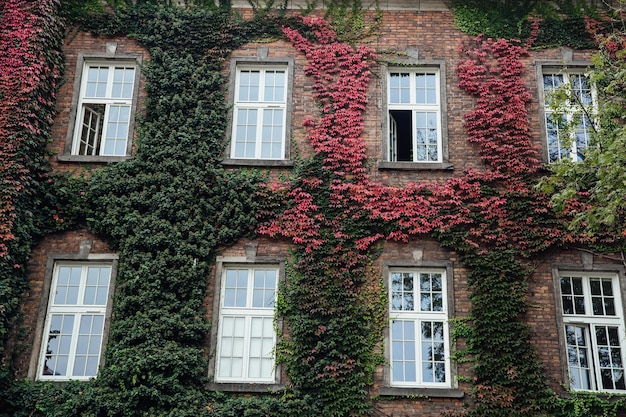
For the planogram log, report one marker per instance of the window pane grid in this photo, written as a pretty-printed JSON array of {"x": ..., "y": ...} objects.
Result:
[
  {"x": 75, "y": 322},
  {"x": 414, "y": 117},
  {"x": 418, "y": 331},
  {"x": 246, "y": 327},
  {"x": 103, "y": 124},
  {"x": 578, "y": 357},
  {"x": 594, "y": 331},
  {"x": 260, "y": 112},
  {"x": 582, "y": 95},
  {"x": 610, "y": 358}
]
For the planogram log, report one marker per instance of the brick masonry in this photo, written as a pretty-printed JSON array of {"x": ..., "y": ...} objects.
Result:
[{"x": 432, "y": 37}]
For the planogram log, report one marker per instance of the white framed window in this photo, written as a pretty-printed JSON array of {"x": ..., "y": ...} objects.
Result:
[
  {"x": 568, "y": 126},
  {"x": 104, "y": 109},
  {"x": 246, "y": 334},
  {"x": 414, "y": 115},
  {"x": 594, "y": 331},
  {"x": 75, "y": 321},
  {"x": 419, "y": 341},
  {"x": 260, "y": 112}
]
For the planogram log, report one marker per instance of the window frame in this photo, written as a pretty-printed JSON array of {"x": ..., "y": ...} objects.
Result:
[
  {"x": 438, "y": 67},
  {"x": 588, "y": 321},
  {"x": 86, "y": 60},
  {"x": 243, "y": 384},
  {"x": 249, "y": 63},
  {"x": 435, "y": 389},
  {"x": 567, "y": 71},
  {"x": 84, "y": 258}
]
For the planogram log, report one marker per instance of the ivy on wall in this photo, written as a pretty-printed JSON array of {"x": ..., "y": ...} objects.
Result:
[
  {"x": 168, "y": 209},
  {"x": 30, "y": 71}
]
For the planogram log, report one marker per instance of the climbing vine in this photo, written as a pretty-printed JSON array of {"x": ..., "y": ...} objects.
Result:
[{"x": 167, "y": 210}]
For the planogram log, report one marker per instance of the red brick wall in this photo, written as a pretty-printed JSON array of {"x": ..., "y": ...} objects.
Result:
[
  {"x": 75, "y": 44},
  {"x": 434, "y": 36},
  {"x": 67, "y": 243}
]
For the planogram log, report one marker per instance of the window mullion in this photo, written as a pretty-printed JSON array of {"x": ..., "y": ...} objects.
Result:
[
  {"x": 73, "y": 345},
  {"x": 105, "y": 125},
  {"x": 245, "y": 363},
  {"x": 109, "y": 88},
  {"x": 418, "y": 351},
  {"x": 414, "y": 132},
  {"x": 259, "y": 132},
  {"x": 595, "y": 357}
]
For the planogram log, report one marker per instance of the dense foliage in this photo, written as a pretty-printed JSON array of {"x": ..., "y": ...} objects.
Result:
[
  {"x": 593, "y": 191},
  {"x": 168, "y": 209},
  {"x": 30, "y": 71}
]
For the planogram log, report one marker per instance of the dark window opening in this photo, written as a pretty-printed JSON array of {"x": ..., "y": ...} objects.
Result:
[{"x": 401, "y": 135}]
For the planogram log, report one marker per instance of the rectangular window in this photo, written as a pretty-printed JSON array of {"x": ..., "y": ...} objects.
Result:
[
  {"x": 568, "y": 127},
  {"x": 419, "y": 328},
  {"x": 594, "y": 331},
  {"x": 414, "y": 116},
  {"x": 104, "y": 110},
  {"x": 246, "y": 335},
  {"x": 74, "y": 326},
  {"x": 260, "y": 113}
]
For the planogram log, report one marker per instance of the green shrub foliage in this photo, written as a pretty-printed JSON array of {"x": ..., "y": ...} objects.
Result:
[{"x": 167, "y": 210}]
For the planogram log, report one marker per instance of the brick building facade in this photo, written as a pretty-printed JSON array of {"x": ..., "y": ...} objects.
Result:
[{"x": 422, "y": 42}]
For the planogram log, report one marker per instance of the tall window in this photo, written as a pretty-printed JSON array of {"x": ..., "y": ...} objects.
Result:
[
  {"x": 74, "y": 326},
  {"x": 104, "y": 110},
  {"x": 246, "y": 336},
  {"x": 414, "y": 122},
  {"x": 594, "y": 331},
  {"x": 419, "y": 328},
  {"x": 568, "y": 127},
  {"x": 259, "y": 115}
]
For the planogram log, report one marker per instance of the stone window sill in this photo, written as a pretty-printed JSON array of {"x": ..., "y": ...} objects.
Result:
[
  {"x": 415, "y": 166},
  {"x": 95, "y": 158},
  {"x": 258, "y": 162},
  {"x": 244, "y": 387},
  {"x": 421, "y": 392}
]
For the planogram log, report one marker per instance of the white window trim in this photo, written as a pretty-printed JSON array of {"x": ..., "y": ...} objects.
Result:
[
  {"x": 83, "y": 255},
  {"x": 415, "y": 107},
  {"x": 260, "y": 105},
  {"x": 445, "y": 269},
  {"x": 569, "y": 111},
  {"x": 238, "y": 384},
  {"x": 49, "y": 309},
  {"x": 92, "y": 58},
  {"x": 262, "y": 61},
  {"x": 108, "y": 101},
  {"x": 247, "y": 313},
  {"x": 589, "y": 321}
]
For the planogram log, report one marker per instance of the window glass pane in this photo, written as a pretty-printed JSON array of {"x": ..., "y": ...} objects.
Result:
[
  {"x": 96, "y": 289},
  {"x": 123, "y": 80},
  {"x": 272, "y": 133},
  {"x": 58, "y": 344},
  {"x": 577, "y": 354},
  {"x": 404, "y": 358},
  {"x": 245, "y": 133},
  {"x": 425, "y": 91},
  {"x": 264, "y": 288},
  {"x": 97, "y": 78},
  {"x": 403, "y": 297},
  {"x": 274, "y": 86},
  {"x": 432, "y": 352},
  {"x": 582, "y": 89},
  {"x": 399, "y": 88},
  {"x": 117, "y": 130},
  {"x": 249, "y": 85},
  {"x": 610, "y": 357},
  {"x": 550, "y": 82},
  {"x": 236, "y": 287}
]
